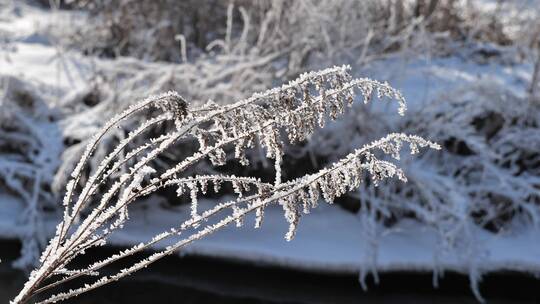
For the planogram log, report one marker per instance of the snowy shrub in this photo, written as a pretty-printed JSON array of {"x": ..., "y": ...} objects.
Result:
[
  {"x": 491, "y": 159},
  {"x": 291, "y": 112},
  {"x": 487, "y": 175},
  {"x": 30, "y": 157},
  {"x": 301, "y": 31},
  {"x": 306, "y": 29}
]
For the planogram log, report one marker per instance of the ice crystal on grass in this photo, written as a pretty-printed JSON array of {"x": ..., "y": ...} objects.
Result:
[{"x": 291, "y": 112}]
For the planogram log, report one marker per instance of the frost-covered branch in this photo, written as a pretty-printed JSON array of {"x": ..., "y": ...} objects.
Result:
[{"x": 291, "y": 112}]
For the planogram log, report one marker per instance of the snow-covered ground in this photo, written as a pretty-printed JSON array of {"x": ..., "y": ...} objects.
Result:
[{"x": 330, "y": 239}]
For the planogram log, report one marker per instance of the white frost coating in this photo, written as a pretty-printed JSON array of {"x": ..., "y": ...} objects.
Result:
[{"x": 292, "y": 108}]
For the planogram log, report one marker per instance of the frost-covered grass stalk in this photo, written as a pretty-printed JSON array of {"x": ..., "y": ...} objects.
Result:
[{"x": 293, "y": 111}]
